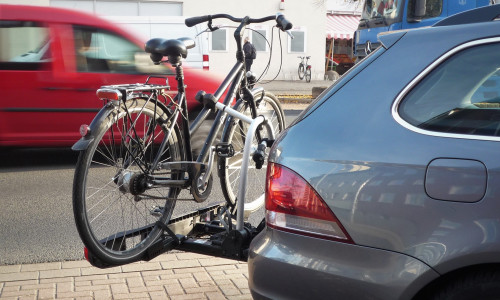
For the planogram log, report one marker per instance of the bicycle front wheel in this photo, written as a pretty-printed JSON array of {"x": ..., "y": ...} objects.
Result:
[
  {"x": 308, "y": 75},
  {"x": 116, "y": 206},
  {"x": 230, "y": 168},
  {"x": 301, "y": 71}
]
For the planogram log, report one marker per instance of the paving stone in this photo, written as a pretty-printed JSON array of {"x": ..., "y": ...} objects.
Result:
[
  {"x": 9, "y": 277},
  {"x": 131, "y": 295},
  {"x": 180, "y": 264},
  {"x": 74, "y": 294},
  {"x": 91, "y": 277},
  {"x": 97, "y": 271},
  {"x": 38, "y": 286},
  {"x": 10, "y": 269},
  {"x": 121, "y": 288},
  {"x": 75, "y": 264},
  {"x": 125, "y": 275},
  {"x": 41, "y": 267},
  {"x": 59, "y": 273},
  {"x": 216, "y": 261},
  {"x": 188, "y": 283},
  {"x": 158, "y": 295},
  {"x": 188, "y": 296},
  {"x": 46, "y": 293},
  {"x": 150, "y": 266},
  {"x": 215, "y": 296}
]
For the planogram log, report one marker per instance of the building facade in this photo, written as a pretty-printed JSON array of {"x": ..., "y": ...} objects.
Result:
[{"x": 307, "y": 16}]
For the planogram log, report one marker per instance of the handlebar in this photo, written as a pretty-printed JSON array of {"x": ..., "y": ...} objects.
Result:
[{"x": 282, "y": 22}]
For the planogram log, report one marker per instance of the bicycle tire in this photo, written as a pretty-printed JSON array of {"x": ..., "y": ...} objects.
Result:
[
  {"x": 301, "y": 71},
  {"x": 234, "y": 133},
  {"x": 106, "y": 173},
  {"x": 308, "y": 75}
]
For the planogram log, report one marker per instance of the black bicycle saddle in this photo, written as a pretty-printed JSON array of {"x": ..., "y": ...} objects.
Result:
[{"x": 173, "y": 48}]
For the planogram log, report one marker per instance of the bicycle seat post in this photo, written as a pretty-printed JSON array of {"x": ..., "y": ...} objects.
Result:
[{"x": 179, "y": 76}]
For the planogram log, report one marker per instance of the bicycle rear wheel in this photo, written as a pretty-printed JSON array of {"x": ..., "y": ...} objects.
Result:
[
  {"x": 301, "y": 71},
  {"x": 115, "y": 207},
  {"x": 235, "y": 134},
  {"x": 308, "y": 75}
]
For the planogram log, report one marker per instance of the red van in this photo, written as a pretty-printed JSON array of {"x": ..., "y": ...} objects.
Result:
[{"x": 53, "y": 60}]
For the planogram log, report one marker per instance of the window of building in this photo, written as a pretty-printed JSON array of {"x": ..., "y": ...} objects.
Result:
[
  {"x": 219, "y": 40},
  {"x": 447, "y": 101},
  {"x": 101, "y": 51},
  {"x": 24, "y": 45},
  {"x": 298, "y": 43},
  {"x": 258, "y": 39}
]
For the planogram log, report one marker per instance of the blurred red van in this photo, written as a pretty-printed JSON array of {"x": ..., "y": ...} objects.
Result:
[{"x": 52, "y": 61}]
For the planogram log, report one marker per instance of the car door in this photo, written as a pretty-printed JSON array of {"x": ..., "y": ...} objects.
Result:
[{"x": 27, "y": 58}]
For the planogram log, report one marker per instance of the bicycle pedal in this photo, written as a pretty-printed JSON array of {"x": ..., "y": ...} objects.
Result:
[{"x": 224, "y": 150}]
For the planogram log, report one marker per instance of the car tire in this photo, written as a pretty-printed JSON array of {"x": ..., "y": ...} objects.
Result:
[{"x": 484, "y": 285}]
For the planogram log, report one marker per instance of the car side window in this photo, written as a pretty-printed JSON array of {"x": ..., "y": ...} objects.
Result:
[
  {"x": 461, "y": 95},
  {"x": 24, "y": 45},
  {"x": 105, "y": 52}
]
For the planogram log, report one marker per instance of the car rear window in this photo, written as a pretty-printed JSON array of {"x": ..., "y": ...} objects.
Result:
[
  {"x": 460, "y": 96},
  {"x": 24, "y": 45}
]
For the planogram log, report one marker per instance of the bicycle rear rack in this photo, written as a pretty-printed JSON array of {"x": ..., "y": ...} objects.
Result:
[{"x": 210, "y": 230}]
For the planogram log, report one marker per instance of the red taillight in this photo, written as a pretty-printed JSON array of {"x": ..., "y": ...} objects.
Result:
[
  {"x": 109, "y": 94},
  {"x": 293, "y": 205},
  {"x": 205, "y": 62},
  {"x": 86, "y": 253}
]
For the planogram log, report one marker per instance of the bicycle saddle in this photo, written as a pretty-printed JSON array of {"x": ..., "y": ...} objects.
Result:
[{"x": 174, "y": 49}]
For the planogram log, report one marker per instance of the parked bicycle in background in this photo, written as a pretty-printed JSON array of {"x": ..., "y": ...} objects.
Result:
[{"x": 305, "y": 68}]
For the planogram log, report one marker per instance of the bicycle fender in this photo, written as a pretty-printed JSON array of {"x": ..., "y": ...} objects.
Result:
[
  {"x": 84, "y": 142},
  {"x": 98, "y": 120}
]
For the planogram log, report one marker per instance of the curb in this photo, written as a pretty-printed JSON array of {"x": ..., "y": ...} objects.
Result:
[{"x": 295, "y": 99}]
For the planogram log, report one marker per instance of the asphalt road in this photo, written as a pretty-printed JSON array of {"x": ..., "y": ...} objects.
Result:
[{"x": 35, "y": 205}]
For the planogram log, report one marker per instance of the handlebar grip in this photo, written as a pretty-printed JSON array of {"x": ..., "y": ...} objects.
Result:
[
  {"x": 283, "y": 23},
  {"x": 190, "y": 22}
]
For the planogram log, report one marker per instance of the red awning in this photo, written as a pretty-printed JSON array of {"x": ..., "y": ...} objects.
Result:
[{"x": 341, "y": 26}]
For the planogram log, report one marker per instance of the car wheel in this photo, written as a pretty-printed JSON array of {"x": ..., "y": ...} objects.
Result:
[{"x": 477, "y": 285}]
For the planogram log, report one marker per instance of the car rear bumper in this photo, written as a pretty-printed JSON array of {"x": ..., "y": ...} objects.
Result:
[{"x": 288, "y": 266}]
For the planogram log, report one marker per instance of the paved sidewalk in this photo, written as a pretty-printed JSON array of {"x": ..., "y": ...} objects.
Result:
[{"x": 175, "y": 275}]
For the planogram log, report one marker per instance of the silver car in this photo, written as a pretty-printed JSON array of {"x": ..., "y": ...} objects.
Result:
[{"x": 388, "y": 185}]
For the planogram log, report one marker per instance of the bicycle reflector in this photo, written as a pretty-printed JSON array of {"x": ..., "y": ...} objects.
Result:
[
  {"x": 109, "y": 94},
  {"x": 84, "y": 130},
  {"x": 292, "y": 205}
]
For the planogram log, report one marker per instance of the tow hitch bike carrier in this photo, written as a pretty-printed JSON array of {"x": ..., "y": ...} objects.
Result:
[{"x": 209, "y": 230}]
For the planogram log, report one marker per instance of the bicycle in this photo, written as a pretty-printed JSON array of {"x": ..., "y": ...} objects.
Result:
[
  {"x": 136, "y": 157},
  {"x": 304, "y": 68}
]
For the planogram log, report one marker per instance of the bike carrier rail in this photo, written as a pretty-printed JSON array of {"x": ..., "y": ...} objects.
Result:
[{"x": 210, "y": 230}]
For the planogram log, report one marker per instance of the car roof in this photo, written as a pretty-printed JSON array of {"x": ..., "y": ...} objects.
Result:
[{"x": 59, "y": 15}]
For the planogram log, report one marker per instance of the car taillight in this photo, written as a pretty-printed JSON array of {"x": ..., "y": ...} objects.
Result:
[
  {"x": 205, "y": 62},
  {"x": 293, "y": 205}
]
